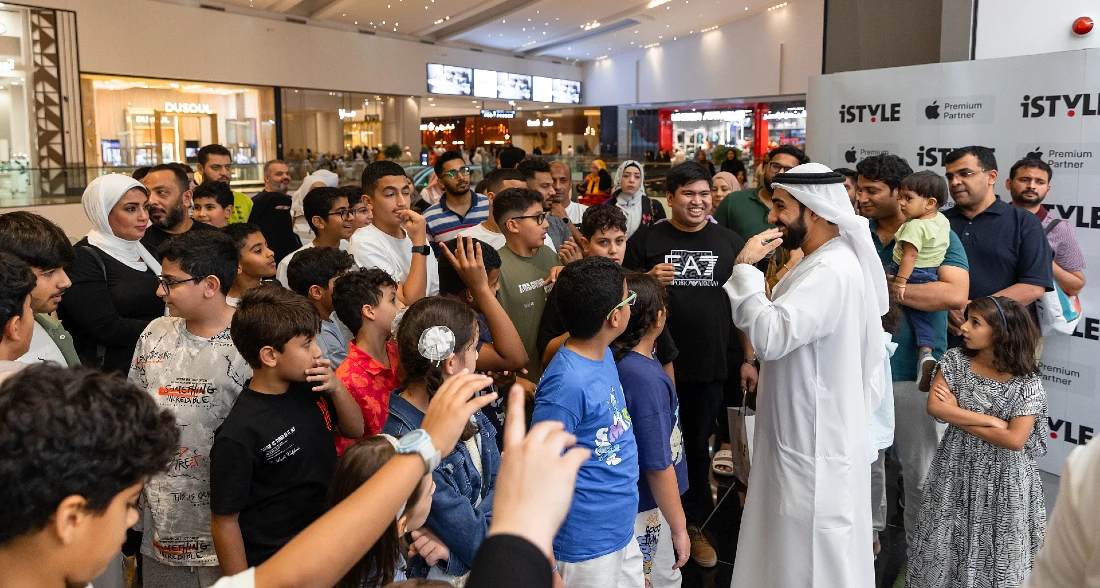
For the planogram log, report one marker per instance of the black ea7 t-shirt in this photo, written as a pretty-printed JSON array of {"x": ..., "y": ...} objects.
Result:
[
  {"x": 272, "y": 461},
  {"x": 699, "y": 315}
]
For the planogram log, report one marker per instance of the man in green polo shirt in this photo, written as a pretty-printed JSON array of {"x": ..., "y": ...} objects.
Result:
[
  {"x": 216, "y": 164},
  {"x": 746, "y": 212}
]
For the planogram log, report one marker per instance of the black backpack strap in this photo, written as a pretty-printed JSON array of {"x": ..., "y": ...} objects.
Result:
[
  {"x": 98, "y": 258},
  {"x": 1051, "y": 226}
]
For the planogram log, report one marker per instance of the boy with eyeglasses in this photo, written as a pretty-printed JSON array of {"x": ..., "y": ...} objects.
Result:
[
  {"x": 331, "y": 218},
  {"x": 460, "y": 207},
  {"x": 187, "y": 362},
  {"x": 528, "y": 267}
]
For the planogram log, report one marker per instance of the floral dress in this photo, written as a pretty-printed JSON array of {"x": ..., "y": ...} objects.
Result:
[{"x": 982, "y": 515}]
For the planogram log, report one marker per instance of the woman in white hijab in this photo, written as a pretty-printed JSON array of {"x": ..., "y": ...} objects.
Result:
[
  {"x": 629, "y": 195},
  {"x": 115, "y": 279},
  {"x": 317, "y": 179}
]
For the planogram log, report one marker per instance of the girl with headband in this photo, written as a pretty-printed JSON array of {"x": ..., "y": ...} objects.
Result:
[{"x": 982, "y": 517}]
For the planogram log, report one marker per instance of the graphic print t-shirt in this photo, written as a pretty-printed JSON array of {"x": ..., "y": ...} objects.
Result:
[
  {"x": 587, "y": 397},
  {"x": 699, "y": 315},
  {"x": 523, "y": 292},
  {"x": 198, "y": 380},
  {"x": 272, "y": 462},
  {"x": 651, "y": 399}
]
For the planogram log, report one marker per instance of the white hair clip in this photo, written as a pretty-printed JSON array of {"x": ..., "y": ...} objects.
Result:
[{"x": 437, "y": 343}]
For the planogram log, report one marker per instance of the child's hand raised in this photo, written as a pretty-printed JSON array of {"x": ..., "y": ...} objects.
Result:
[
  {"x": 322, "y": 373},
  {"x": 452, "y": 406},
  {"x": 468, "y": 263}
]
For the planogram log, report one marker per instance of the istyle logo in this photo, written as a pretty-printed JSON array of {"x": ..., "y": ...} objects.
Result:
[
  {"x": 1053, "y": 105},
  {"x": 852, "y": 113},
  {"x": 1082, "y": 217},
  {"x": 956, "y": 110},
  {"x": 852, "y": 154},
  {"x": 1063, "y": 156},
  {"x": 1065, "y": 431},
  {"x": 933, "y": 156}
]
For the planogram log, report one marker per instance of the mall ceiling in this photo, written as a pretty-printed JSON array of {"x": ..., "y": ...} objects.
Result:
[{"x": 579, "y": 30}]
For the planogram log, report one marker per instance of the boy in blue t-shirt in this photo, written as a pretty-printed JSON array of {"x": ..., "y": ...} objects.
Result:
[{"x": 595, "y": 547}]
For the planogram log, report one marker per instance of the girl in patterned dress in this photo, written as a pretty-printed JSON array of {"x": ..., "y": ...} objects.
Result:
[{"x": 982, "y": 517}]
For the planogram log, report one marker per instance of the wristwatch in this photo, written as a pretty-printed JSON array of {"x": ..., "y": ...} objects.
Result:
[
  {"x": 422, "y": 249},
  {"x": 754, "y": 362},
  {"x": 419, "y": 442}
]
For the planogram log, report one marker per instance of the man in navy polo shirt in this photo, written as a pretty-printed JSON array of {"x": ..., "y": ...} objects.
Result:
[
  {"x": 1007, "y": 249},
  {"x": 916, "y": 434},
  {"x": 460, "y": 207}
]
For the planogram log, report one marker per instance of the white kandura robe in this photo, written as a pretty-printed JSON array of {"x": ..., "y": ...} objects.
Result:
[{"x": 807, "y": 516}]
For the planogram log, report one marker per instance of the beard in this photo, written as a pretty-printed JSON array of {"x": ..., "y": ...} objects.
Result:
[
  {"x": 172, "y": 218},
  {"x": 796, "y": 234},
  {"x": 458, "y": 190},
  {"x": 1028, "y": 197}
]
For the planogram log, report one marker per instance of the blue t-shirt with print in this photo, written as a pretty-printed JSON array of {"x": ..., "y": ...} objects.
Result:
[
  {"x": 587, "y": 397},
  {"x": 655, "y": 412}
]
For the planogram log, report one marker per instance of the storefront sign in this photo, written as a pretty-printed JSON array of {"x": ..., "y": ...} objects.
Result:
[
  {"x": 437, "y": 128},
  {"x": 540, "y": 123},
  {"x": 785, "y": 115},
  {"x": 498, "y": 114},
  {"x": 187, "y": 108},
  {"x": 723, "y": 115},
  {"x": 346, "y": 114}
]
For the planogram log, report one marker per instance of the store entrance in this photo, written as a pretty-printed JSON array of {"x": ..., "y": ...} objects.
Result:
[{"x": 180, "y": 136}]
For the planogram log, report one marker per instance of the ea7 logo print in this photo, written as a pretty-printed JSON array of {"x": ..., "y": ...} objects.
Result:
[
  {"x": 692, "y": 268},
  {"x": 850, "y": 113},
  {"x": 933, "y": 156},
  {"x": 1057, "y": 104}
]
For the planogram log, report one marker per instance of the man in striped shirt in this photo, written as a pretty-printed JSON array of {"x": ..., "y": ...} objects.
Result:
[{"x": 459, "y": 207}]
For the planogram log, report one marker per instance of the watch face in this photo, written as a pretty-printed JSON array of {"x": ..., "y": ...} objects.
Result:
[{"x": 411, "y": 439}]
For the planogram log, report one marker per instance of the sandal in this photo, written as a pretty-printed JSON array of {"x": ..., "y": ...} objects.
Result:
[{"x": 723, "y": 458}]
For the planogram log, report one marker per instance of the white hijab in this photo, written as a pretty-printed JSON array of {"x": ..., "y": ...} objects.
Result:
[
  {"x": 631, "y": 204},
  {"x": 99, "y": 198},
  {"x": 322, "y": 175},
  {"x": 830, "y": 201}
]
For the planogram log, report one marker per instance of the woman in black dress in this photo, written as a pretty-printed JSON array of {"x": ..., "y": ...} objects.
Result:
[{"x": 115, "y": 279}]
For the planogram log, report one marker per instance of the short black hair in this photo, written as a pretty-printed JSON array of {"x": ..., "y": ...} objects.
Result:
[
  {"x": 1031, "y": 162},
  {"x": 75, "y": 431},
  {"x": 450, "y": 283},
  {"x": 240, "y": 232},
  {"x": 353, "y": 193},
  {"x": 791, "y": 150},
  {"x": 376, "y": 170},
  {"x": 531, "y": 166},
  {"x": 585, "y": 292},
  {"x": 213, "y": 149},
  {"x": 985, "y": 156},
  {"x": 315, "y": 266},
  {"x": 513, "y": 201},
  {"x": 182, "y": 181},
  {"x": 141, "y": 172},
  {"x": 686, "y": 173},
  {"x": 318, "y": 202},
  {"x": 510, "y": 157},
  {"x": 887, "y": 168},
  {"x": 219, "y": 191},
  {"x": 447, "y": 156},
  {"x": 16, "y": 283},
  {"x": 848, "y": 172},
  {"x": 354, "y": 290},
  {"x": 494, "y": 182},
  {"x": 204, "y": 253},
  {"x": 602, "y": 217},
  {"x": 928, "y": 184},
  {"x": 36, "y": 240},
  {"x": 270, "y": 315}
]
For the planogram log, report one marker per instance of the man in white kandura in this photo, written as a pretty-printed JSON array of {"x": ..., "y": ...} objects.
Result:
[{"x": 807, "y": 517}]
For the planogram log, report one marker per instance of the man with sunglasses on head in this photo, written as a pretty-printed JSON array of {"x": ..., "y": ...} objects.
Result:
[
  {"x": 746, "y": 212},
  {"x": 460, "y": 207}
]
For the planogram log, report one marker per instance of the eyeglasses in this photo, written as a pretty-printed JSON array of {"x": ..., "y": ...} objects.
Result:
[
  {"x": 167, "y": 284},
  {"x": 964, "y": 174},
  {"x": 779, "y": 168},
  {"x": 539, "y": 218},
  {"x": 462, "y": 171},
  {"x": 343, "y": 213},
  {"x": 631, "y": 296}
]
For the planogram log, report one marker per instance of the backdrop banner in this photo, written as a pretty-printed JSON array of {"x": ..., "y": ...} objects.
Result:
[{"x": 1045, "y": 106}]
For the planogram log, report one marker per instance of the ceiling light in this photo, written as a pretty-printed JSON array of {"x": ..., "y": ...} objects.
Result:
[
  {"x": 601, "y": 58},
  {"x": 656, "y": 3},
  {"x": 777, "y": 6},
  {"x": 708, "y": 29},
  {"x": 651, "y": 45},
  {"x": 528, "y": 44}
]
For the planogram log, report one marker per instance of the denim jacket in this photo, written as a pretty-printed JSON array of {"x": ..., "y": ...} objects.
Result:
[{"x": 453, "y": 518}]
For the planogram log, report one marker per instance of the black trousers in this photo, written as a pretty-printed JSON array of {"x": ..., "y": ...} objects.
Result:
[{"x": 699, "y": 404}]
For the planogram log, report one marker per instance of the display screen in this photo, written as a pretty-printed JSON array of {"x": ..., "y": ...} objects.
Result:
[
  {"x": 512, "y": 86},
  {"x": 450, "y": 79},
  {"x": 542, "y": 89},
  {"x": 567, "y": 92},
  {"x": 485, "y": 83}
]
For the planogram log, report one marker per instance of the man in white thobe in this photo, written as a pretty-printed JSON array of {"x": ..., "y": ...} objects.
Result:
[{"x": 807, "y": 517}]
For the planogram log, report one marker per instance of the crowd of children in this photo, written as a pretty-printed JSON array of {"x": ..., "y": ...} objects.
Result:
[{"x": 271, "y": 426}]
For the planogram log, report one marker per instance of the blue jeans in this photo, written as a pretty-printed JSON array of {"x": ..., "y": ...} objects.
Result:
[{"x": 919, "y": 320}]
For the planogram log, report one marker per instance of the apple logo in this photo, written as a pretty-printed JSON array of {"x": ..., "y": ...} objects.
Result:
[
  {"x": 850, "y": 155},
  {"x": 932, "y": 111},
  {"x": 1037, "y": 154}
]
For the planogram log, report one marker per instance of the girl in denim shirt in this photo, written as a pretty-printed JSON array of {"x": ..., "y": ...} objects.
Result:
[{"x": 436, "y": 339}]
